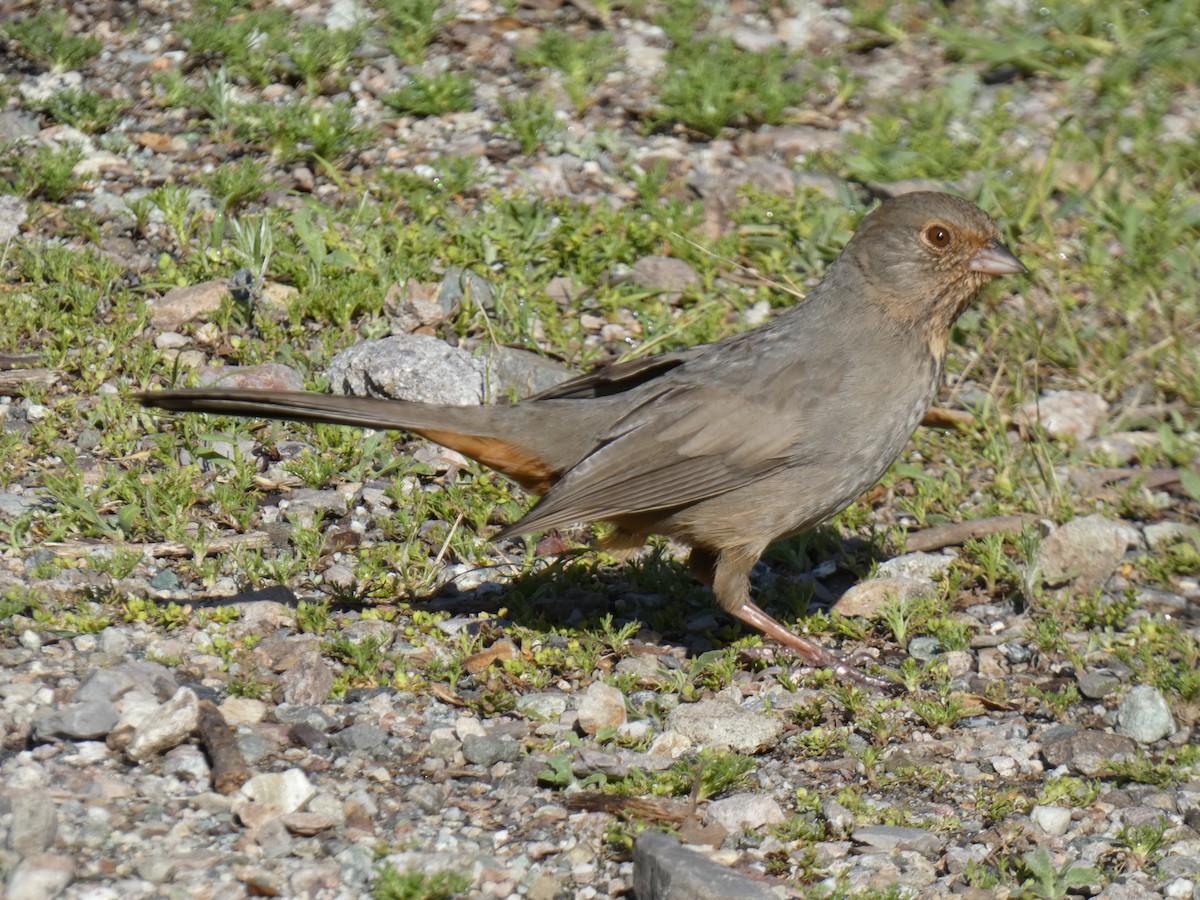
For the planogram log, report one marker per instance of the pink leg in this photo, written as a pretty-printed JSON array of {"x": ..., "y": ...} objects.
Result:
[{"x": 729, "y": 575}]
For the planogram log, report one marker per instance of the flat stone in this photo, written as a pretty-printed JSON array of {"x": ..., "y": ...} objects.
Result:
[
  {"x": 285, "y": 791},
  {"x": 106, "y": 684},
  {"x": 413, "y": 367},
  {"x": 1161, "y": 535},
  {"x": 543, "y": 705},
  {"x": 308, "y": 824},
  {"x": 309, "y": 681},
  {"x": 243, "y": 710},
  {"x": 602, "y": 706},
  {"x": 77, "y": 722},
  {"x": 1098, "y": 685},
  {"x": 265, "y": 377},
  {"x": 169, "y": 727},
  {"x": 181, "y": 305},
  {"x": 897, "y": 837},
  {"x": 487, "y": 750},
  {"x": 664, "y": 273},
  {"x": 463, "y": 288},
  {"x": 359, "y": 738},
  {"x": 1085, "y": 552},
  {"x": 664, "y": 869},
  {"x": 919, "y": 566},
  {"x": 18, "y": 504},
  {"x": 722, "y": 725},
  {"x": 1051, "y": 819},
  {"x": 1089, "y": 752},
  {"x": 512, "y": 372},
  {"x": 1144, "y": 715},
  {"x": 40, "y": 877},
  {"x": 745, "y": 812},
  {"x": 34, "y": 824},
  {"x": 867, "y": 598},
  {"x": 1076, "y": 415}
]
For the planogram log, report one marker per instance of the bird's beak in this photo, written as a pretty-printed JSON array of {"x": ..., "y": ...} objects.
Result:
[{"x": 995, "y": 259}]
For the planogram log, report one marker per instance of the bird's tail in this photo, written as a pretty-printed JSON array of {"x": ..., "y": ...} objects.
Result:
[{"x": 495, "y": 436}]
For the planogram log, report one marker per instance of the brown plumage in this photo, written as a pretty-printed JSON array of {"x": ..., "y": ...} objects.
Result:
[{"x": 729, "y": 446}]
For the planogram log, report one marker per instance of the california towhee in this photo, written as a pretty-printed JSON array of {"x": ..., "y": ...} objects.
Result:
[{"x": 725, "y": 447}]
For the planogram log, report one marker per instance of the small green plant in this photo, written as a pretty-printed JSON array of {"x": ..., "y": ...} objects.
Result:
[
  {"x": 712, "y": 84},
  {"x": 238, "y": 184},
  {"x": 321, "y": 56},
  {"x": 362, "y": 658},
  {"x": 13, "y": 602},
  {"x": 904, "y": 616},
  {"x": 583, "y": 62},
  {"x": 943, "y": 710},
  {"x": 302, "y": 131},
  {"x": 181, "y": 209},
  {"x": 1060, "y": 701},
  {"x": 47, "y": 38},
  {"x": 313, "y": 616},
  {"x": 44, "y": 172},
  {"x": 1142, "y": 844},
  {"x": 926, "y": 139},
  {"x": 86, "y": 617},
  {"x": 434, "y": 95},
  {"x": 216, "y": 98},
  {"x": 393, "y": 885},
  {"x": 1099, "y": 610},
  {"x": 247, "y": 686},
  {"x": 529, "y": 120},
  {"x": 1176, "y": 765},
  {"x": 86, "y": 110},
  {"x": 412, "y": 25},
  {"x": 249, "y": 42},
  {"x": 1041, "y": 879},
  {"x": 953, "y": 633},
  {"x": 1070, "y": 791}
]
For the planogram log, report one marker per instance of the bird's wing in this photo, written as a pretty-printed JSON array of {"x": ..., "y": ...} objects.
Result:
[
  {"x": 616, "y": 378},
  {"x": 679, "y": 447}
]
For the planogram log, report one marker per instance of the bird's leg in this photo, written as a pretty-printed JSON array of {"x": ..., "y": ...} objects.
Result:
[{"x": 729, "y": 575}]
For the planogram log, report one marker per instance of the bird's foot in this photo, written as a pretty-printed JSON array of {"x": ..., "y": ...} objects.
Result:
[
  {"x": 846, "y": 670},
  {"x": 813, "y": 655}
]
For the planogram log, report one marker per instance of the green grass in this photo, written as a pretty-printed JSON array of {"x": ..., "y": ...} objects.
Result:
[
  {"x": 432, "y": 96},
  {"x": 45, "y": 173},
  {"x": 48, "y": 38},
  {"x": 711, "y": 84},
  {"x": 1103, "y": 204},
  {"x": 582, "y": 62}
]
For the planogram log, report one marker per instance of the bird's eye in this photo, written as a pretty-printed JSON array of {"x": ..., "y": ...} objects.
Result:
[{"x": 938, "y": 236}]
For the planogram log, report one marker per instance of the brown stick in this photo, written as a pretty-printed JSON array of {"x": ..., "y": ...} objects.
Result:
[
  {"x": 13, "y": 380},
  {"x": 9, "y": 361},
  {"x": 229, "y": 769},
  {"x": 959, "y": 532},
  {"x": 939, "y": 417},
  {"x": 78, "y": 549}
]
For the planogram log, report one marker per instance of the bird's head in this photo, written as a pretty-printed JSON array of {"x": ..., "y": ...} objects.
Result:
[{"x": 926, "y": 255}]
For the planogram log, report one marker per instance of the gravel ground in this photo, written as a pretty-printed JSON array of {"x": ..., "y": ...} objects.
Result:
[{"x": 117, "y": 781}]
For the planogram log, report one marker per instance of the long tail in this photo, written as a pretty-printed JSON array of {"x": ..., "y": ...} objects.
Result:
[{"x": 495, "y": 436}]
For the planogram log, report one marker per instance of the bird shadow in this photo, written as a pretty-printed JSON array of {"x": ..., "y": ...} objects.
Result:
[{"x": 583, "y": 591}]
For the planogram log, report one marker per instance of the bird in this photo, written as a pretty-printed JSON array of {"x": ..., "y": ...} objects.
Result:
[{"x": 730, "y": 446}]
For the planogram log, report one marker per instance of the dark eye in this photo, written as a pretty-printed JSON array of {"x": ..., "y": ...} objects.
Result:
[{"x": 938, "y": 237}]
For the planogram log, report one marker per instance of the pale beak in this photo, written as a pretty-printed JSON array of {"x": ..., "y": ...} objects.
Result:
[{"x": 995, "y": 259}]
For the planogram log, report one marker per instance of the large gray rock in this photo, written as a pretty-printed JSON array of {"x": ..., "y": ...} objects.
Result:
[
  {"x": 408, "y": 367},
  {"x": 1144, "y": 715},
  {"x": 1076, "y": 415},
  {"x": 663, "y": 869},
  {"x": 723, "y": 725},
  {"x": 1085, "y": 552}
]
